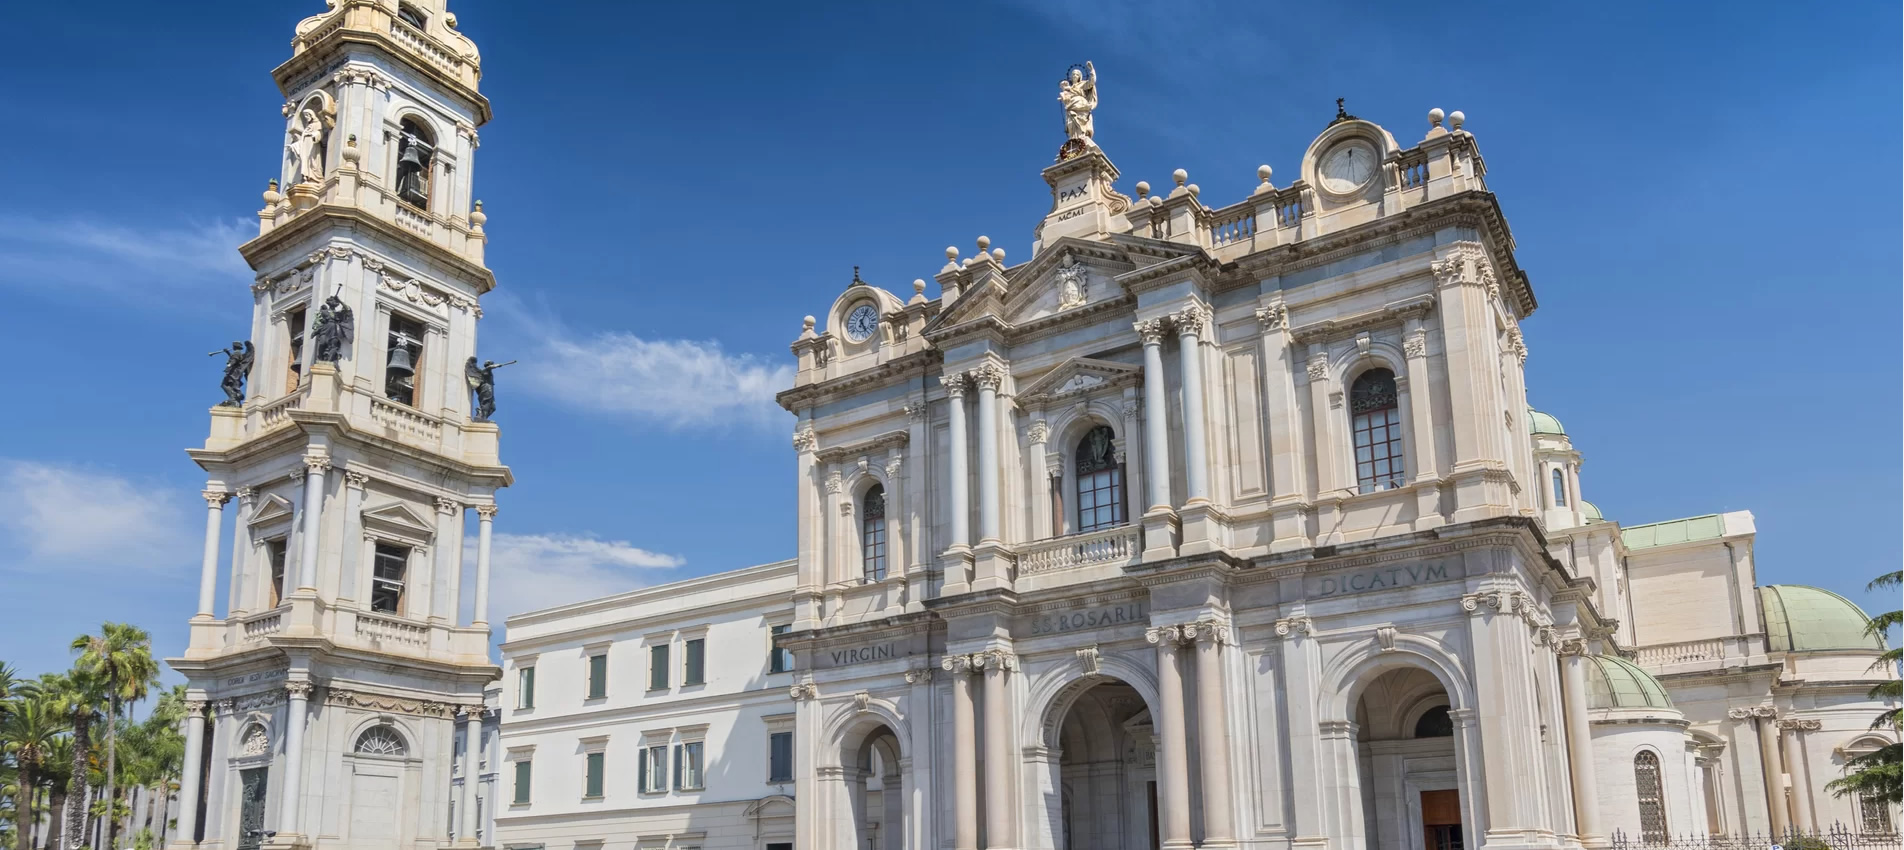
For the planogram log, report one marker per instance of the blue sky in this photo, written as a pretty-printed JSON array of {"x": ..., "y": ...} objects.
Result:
[{"x": 1705, "y": 197}]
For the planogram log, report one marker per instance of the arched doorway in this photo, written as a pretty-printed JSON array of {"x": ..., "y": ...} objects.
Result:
[
  {"x": 1407, "y": 757},
  {"x": 1107, "y": 771},
  {"x": 875, "y": 791}
]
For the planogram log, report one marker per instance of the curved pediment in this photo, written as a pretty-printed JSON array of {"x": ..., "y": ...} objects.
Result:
[{"x": 1081, "y": 376}]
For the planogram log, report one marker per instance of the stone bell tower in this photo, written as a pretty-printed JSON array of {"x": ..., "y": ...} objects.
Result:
[{"x": 325, "y": 701}]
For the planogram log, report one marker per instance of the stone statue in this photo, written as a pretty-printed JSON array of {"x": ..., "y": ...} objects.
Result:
[
  {"x": 482, "y": 381},
  {"x": 237, "y": 366},
  {"x": 307, "y": 148},
  {"x": 1078, "y": 93},
  {"x": 334, "y": 327}
]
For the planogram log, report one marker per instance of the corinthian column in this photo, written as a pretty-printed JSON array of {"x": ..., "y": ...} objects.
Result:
[
  {"x": 1156, "y": 425},
  {"x": 1586, "y": 786},
  {"x": 964, "y": 754},
  {"x": 192, "y": 773},
  {"x": 1213, "y": 734},
  {"x": 961, "y": 473},
  {"x": 208, "y": 568},
  {"x": 988, "y": 377},
  {"x": 290, "y": 809},
  {"x": 486, "y": 517},
  {"x": 1173, "y": 764},
  {"x": 1196, "y": 458},
  {"x": 315, "y": 469}
]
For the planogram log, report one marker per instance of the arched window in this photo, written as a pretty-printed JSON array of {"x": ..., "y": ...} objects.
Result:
[
  {"x": 1647, "y": 784},
  {"x": 1435, "y": 723},
  {"x": 1560, "y": 489},
  {"x": 872, "y": 534},
  {"x": 381, "y": 741},
  {"x": 416, "y": 149},
  {"x": 1100, "y": 481},
  {"x": 1378, "y": 431}
]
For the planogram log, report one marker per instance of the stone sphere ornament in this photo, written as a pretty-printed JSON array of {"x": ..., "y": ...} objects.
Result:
[
  {"x": 984, "y": 242},
  {"x": 998, "y": 256},
  {"x": 1434, "y": 116},
  {"x": 1143, "y": 188},
  {"x": 1263, "y": 172},
  {"x": 951, "y": 253},
  {"x": 1180, "y": 175},
  {"x": 1457, "y": 119}
]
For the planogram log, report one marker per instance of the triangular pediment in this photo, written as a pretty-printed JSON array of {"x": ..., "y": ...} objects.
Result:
[
  {"x": 1080, "y": 376},
  {"x": 271, "y": 508},
  {"x": 399, "y": 516}
]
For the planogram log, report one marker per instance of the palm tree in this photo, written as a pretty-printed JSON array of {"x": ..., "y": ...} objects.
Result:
[
  {"x": 1876, "y": 775},
  {"x": 57, "y": 773},
  {"x": 78, "y": 694},
  {"x": 29, "y": 730},
  {"x": 121, "y": 656}
]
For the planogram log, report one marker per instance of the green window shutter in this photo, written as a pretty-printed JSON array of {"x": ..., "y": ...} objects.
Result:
[
  {"x": 522, "y": 782},
  {"x": 525, "y": 698},
  {"x": 658, "y": 667},
  {"x": 597, "y": 676},
  {"x": 779, "y": 660},
  {"x": 641, "y": 771},
  {"x": 594, "y": 788},
  {"x": 680, "y": 761},
  {"x": 694, "y": 662},
  {"x": 780, "y": 757}
]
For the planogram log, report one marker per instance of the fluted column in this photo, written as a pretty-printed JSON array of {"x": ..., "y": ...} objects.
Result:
[
  {"x": 964, "y": 754},
  {"x": 961, "y": 472},
  {"x": 1196, "y": 457},
  {"x": 1156, "y": 422},
  {"x": 988, "y": 377},
  {"x": 192, "y": 773},
  {"x": 999, "y": 763},
  {"x": 1586, "y": 786},
  {"x": 486, "y": 517},
  {"x": 315, "y": 469},
  {"x": 1173, "y": 763},
  {"x": 208, "y": 568},
  {"x": 466, "y": 804},
  {"x": 290, "y": 809},
  {"x": 1213, "y": 734}
]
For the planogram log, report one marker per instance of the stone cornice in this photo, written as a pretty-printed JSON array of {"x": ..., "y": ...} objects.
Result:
[
  {"x": 871, "y": 446},
  {"x": 338, "y": 426},
  {"x": 812, "y": 394},
  {"x": 326, "y": 218},
  {"x": 1389, "y": 314},
  {"x": 319, "y": 55}
]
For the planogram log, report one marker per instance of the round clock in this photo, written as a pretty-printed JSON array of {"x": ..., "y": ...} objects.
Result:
[
  {"x": 1348, "y": 167},
  {"x": 861, "y": 323}
]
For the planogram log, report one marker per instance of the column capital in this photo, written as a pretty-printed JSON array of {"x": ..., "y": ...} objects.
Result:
[
  {"x": 1318, "y": 367},
  {"x": 803, "y": 691},
  {"x": 989, "y": 376},
  {"x": 1214, "y": 630},
  {"x": 448, "y": 506},
  {"x": 1570, "y": 647},
  {"x": 319, "y": 464},
  {"x": 296, "y": 474},
  {"x": 215, "y": 498},
  {"x": 1761, "y": 711},
  {"x": 298, "y": 689},
  {"x": 356, "y": 480},
  {"x": 1150, "y": 331},
  {"x": 1273, "y": 316},
  {"x": 919, "y": 674},
  {"x": 1289, "y": 627},
  {"x": 1800, "y": 724},
  {"x": 1038, "y": 432},
  {"x": 1171, "y": 635},
  {"x": 1190, "y": 321},
  {"x": 487, "y": 512},
  {"x": 246, "y": 495},
  {"x": 995, "y": 659},
  {"x": 955, "y": 384},
  {"x": 195, "y": 708},
  {"x": 833, "y": 481},
  {"x": 804, "y": 440},
  {"x": 1415, "y": 344}
]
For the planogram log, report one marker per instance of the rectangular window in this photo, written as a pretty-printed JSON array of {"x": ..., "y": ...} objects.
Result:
[
  {"x": 778, "y": 660},
  {"x": 522, "y": 782},
  {"x": 780, "y": 757},
  {"x": 403, "y": 357},
  {"x": 386, "y": 584},
  {"x": 525, "y": 688},
  {"x": 694, "y": 662},
  {"x": 687, "y": 766},
  {"x": 653, "y": 769},
  {"x": 274, "y": 555},
  {"x": 597, "y": 676},
  {"x": 294, "y": 325},
  {"x": 658, "y": 667},
  {"x": 592, "y": 779}
]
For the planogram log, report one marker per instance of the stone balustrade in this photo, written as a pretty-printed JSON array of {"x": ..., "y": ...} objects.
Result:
[{"x": 1121, "y": 545}]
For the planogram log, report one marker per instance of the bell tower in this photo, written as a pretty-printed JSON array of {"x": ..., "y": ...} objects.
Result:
[{"x": 348, "y": 466}]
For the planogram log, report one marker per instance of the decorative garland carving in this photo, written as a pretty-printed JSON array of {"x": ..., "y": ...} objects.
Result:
[{"x": 394, "y": 705}]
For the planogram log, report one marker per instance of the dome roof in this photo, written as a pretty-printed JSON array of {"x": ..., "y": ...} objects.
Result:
[
  {"x": 1591, "y": 512},
  {"x": 1615, "y": 682},
  {"x": 1541, "y": 423},
  {"x": 1800, "y": 618}
]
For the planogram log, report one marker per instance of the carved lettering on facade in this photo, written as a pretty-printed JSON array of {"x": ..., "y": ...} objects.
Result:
[
  {"x": 863, "y": 654},
  {"x": 1381, "y": 579},
  {"x": 1086, "y": 618}
]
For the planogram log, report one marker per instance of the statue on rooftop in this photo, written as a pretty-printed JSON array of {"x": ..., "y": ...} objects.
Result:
[
  {"x": 482, "y": 382},
  {"x": 334, "y": 327},
  {"x": 1078, "y": 93},
  {"x": 237, "y": 366}
]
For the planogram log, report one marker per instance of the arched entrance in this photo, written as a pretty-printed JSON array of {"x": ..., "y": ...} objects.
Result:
[
  {"x": 875, "y": 792},
  {"x": 1107, "y": 771},
  {"x": 1408, "y": 763}
]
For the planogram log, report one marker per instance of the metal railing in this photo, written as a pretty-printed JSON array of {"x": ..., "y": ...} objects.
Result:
[{"x": 1838, "y": 837}]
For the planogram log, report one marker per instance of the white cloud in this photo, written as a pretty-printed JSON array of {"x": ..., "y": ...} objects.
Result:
[
  {"x": 529, "y": 572},
  {"x": 676, "y": 383},
  {"x": 57, "y": 517},
  {"x": 150, "y": 263}
]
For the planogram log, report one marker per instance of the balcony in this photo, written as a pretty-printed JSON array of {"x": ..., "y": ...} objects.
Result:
[{"x": 1119, "y": 547}]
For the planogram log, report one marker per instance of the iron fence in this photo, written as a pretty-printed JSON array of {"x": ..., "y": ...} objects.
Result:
[{"x": 1838, "y": 837}]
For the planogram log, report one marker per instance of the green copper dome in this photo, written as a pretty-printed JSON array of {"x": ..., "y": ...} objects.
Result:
[
  {"x": 1800, "y": 619},
  {"x": 1541, "y": 423},
  {"x": 1591, "y": 512},
  {"x": 1614, "y": 682}
]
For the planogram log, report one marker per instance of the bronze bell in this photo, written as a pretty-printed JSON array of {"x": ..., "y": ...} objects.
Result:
[{"x": 402, "y": 362}]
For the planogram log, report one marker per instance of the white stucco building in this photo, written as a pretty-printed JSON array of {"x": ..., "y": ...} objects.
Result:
[{"x": 1198, "y": 527}]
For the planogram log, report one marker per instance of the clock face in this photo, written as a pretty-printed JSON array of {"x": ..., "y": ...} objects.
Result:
[
  {"x": 861, "y": 323},
  {"x": 1347, "y": 168}
]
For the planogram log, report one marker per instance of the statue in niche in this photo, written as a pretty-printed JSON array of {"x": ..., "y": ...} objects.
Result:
[
  {"x": 335, "y": 326},
  {"x": 307, "y": 147},
  {"x": 482, "y": 382},
  {"x": 413, "y": 169},
  {"x": 237, "y": 366},
  {"x": 1078, "y": 93}
]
